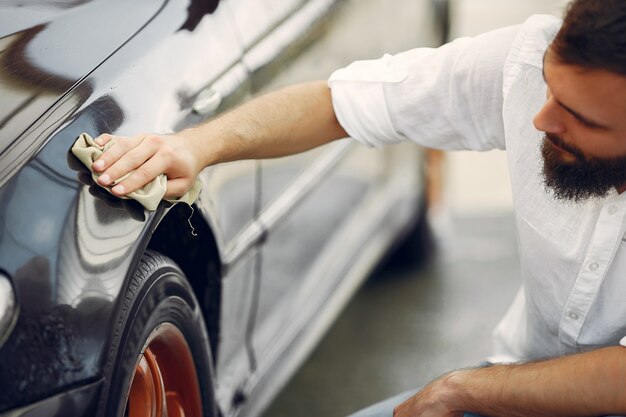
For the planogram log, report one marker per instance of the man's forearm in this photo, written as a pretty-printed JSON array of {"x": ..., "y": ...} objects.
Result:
[
  {"x": 284, "y": 122},
  {"x": 588, "y": 384},
  {"x": 288, "y": 121}
]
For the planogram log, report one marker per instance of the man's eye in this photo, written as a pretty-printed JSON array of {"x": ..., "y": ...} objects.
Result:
[{"x": 585, "y": 123}]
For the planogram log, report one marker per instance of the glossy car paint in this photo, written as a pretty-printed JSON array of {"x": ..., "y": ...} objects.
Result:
[
  {"x": 70, "y": 249},
  {"x": 68, "y": 252}
]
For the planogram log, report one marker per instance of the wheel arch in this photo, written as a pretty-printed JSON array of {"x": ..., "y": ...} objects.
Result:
[{"x": 185, "y": 236}]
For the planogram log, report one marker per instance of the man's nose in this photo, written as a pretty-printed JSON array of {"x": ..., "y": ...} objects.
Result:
[{"x": 548, "y": 119}]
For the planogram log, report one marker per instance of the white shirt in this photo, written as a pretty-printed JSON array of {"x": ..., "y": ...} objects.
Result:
[{"x": 482, "y": 93}]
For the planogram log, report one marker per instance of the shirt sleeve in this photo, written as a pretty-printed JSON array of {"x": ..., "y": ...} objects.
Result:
[{"x": 447, "y": 98}]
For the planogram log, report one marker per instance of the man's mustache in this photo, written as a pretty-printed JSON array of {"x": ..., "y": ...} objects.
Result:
[{"x": 569, "y": 148}]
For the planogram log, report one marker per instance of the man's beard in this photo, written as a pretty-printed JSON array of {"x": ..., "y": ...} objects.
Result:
[{"x": 582, "y": 178}]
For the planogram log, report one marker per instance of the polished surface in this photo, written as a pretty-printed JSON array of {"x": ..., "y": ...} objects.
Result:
[
  {"x": 48, "y": 48},
  {"x": 70, "y": 249},
  {"x": 73, "y": 402},
  {"x": 9, "y": 308},
  {"x": 66, "y": 245}
]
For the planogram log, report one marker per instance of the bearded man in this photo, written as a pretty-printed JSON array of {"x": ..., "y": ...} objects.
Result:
[{"x": 550, "y": 92}]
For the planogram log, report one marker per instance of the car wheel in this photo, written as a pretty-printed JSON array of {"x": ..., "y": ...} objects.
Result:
[{"x": 160, "y": 358}]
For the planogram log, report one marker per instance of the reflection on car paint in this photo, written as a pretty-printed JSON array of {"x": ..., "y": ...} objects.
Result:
[{"x": 70, "y": 250}]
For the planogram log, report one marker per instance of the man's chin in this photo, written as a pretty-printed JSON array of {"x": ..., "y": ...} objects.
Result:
[
  {"x": 575, "y": 195},
  {"x": 568, "y": 178}
]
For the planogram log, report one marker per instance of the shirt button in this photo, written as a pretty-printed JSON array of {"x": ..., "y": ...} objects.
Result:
[
  {"x": 612, "y": 209},
  {"x": 594, "y": 266},
  {"x": 572, "y": 315}
]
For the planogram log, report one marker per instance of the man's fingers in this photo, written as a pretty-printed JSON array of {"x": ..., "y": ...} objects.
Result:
[
  {"x": 110, "y": 156},
  {"x": 129, "y": 161},
  {"x": 177, "y": 187},
  {"x": 142, "y": 176}
]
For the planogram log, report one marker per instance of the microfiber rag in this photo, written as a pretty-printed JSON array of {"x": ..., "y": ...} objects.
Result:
[{"x": 87, "y": 150}]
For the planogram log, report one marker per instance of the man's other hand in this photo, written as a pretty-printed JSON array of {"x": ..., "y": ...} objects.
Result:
[{"x": 431, "y": 401}]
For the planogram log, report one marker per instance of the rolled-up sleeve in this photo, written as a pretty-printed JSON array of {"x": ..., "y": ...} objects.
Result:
[
  {"x": 448, "y": 98},
  {"x": 358, "y": 93}
]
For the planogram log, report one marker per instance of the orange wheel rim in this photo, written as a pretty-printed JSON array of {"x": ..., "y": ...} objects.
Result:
[{"x": 165, "y": 382}]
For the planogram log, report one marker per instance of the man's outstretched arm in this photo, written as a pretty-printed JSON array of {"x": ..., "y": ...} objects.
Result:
[
  {"x": 284, "y": 122},
  {"x": 586, "y": 384}
]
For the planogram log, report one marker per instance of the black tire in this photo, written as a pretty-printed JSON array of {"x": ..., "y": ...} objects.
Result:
[{"x": 158, "y": 293}]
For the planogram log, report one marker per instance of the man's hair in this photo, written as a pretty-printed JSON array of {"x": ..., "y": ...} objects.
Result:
[{"x": 593, "y": 35}]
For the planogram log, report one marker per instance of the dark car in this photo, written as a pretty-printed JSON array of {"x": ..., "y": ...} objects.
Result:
[{"x": 107, "y": 309}]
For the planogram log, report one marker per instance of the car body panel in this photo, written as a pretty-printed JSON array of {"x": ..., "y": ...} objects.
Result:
[
  {"x": 68, "y": 252},
  {"x": 372, "y": 228},
  {"x": 76, "y": 401},
  {"x": 38, "y": 66},
  {"x": 312, "y": 202},
  {"x": 70, "y": 248}
]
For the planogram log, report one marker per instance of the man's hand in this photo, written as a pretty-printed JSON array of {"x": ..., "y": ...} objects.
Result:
[
  {"x": 434, "y": 400},
  {"x": 149, "y": 156},
  {"x": 584, "y": 384}
]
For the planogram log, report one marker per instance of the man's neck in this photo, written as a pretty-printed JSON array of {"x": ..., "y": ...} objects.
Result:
[{"x": 621, "y": 188}]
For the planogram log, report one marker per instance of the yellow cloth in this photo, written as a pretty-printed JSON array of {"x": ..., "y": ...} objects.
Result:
[{"x": 149, "y": 195}]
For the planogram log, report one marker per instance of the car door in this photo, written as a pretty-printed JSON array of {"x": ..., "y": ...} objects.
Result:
[{"x": 306, "y": 199}]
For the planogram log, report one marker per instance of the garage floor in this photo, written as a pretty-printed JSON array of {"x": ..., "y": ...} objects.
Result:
[{"x": 406, "y": 327}]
